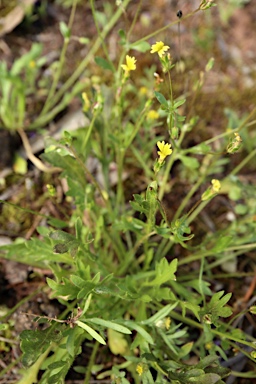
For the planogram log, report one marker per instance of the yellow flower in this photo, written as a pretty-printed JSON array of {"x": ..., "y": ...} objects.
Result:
[
  {"x": 143, "y": 91},
  {"x": 167, "y": 323},
  {"x": 86, "y": 102},
  {"x": 152, "y": 115},
  {"x": 139, "y": 369},
  {"x": 32, "y": 64},
  {"x": 130, "y": 64},
  {"x": 211, "y": 191},
  {"x": 238, "y": 137},
  {"x": 209, "y": 345},
  {"x": 159, "y": 48},
  {"x": 234, "y": 144},
  {"x": 164, "y": 150},
  {"x": 215, "y": 185}
]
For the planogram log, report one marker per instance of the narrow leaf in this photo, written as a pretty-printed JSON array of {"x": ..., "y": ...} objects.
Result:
[
  {"x": 143, "y": 46},
  {"x": 162, "y": 100},
  {"x": 140, "y": 330},
  {"x": 103, "y": 63},
  {"x": 110, "y": 324},
  {"x": 91, "y": 331},
  {"x": 160, "y": 314}
]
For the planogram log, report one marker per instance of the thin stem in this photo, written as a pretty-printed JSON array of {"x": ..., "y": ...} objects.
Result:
[
  {"x": 171, "y": 99},
  {"x": 100, "y": 35},
  {"x": 224, "y": 336},
  {"x": 243, "y": 162},
  {"x": 120, "y": 189},
  {"x": 168, "y": 167},
  {"x": 88, "y": 58},
  {"x": 20, "y": 303},
  {"x": 10, "y": 366},
  {"x": 164, "y": 28},
  {"x": 92, "y": 179},
  {"x": 57, "y": 74},
  {"x": 91, "y": 362},
  {"x": 88, "y": 132},
  {"x": 239, "y": 128},
  {"x": 188, "y": 197},
  {"x": 200, "y": 279},
  {"x": 196, "y": 212},
  {"x": 210, "y": 252},
  {"x": 134, "y": 20}
]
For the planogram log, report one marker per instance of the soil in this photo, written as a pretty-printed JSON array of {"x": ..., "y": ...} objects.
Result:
[{"x": 232, "y": 43}]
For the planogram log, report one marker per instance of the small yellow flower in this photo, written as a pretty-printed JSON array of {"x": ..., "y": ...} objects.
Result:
[
  {"x": 215, "y": 185},
  {"x": 51, "y": 190},
  {"x": 238, "y": 137},
  {"x": 32, "y": 64},
  {"x": 139, "y": 369},
  {"x": 143, "y": 91},
  {"x": 87, "y": 104},
  {"x": 205, "y": 4},
  {"x": 159, "y": 48},
  {"x": 152, "y": 115},
  {"x": 167, "y": 323},
  {"x": 234, "y": 144},
  {"x": 130, "y": 64},
  {"x": 209, "y": 345},
  {"x": 211, "y": 191},
  {"x": 164, "y": 150}
]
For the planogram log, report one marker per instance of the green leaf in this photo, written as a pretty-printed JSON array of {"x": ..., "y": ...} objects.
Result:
[
  {"x": 20, "y": 165},
  {"x": 109, "y": 324},
  {"x": 24, "y": 60},
  {"x": 78, "y": 281},
  {"x": 61, "y": 236},
  {"x": 160, "y": 314},
  {"x": 178, "y": 228},
  {"x": 117, "y": 342},
  {"x": 201, "y": 148},
  {"x": 65, "y": 30},
  {"x": 129, "y": 224},
  {"x": 216, "y": 306},
  {"x": 103, "y": 63},
  {"x": 222, "y": 243},
  {"x": 79, "y": 228},
  {"x": 35, "y": 343},
  {"x": 178, "y": 103},
  {"x": 60, "y": 248},
  {"x": 162, "y": 100},
  {"x": 185, "y": 349},
  {"x": 122, "y": 36},
  {"x": 57, "y": 378},
  {"x": 217, "y": 301},
  {"x": 91, "y": 331},
  {"x": 56, "y": 365},
  {"x": 189, "y": 162},
  {"x": 164, "y": 272},
  {"x": 192, "y": 307},
  {"x": 72, "y": 338},
  {"x": 66, "y": 288},
  {"x": 200, "y": 286},
  {"x": 206, "y": 378},
  {"x": 142, "y": 46},
  {"x": 57, "y": 223},
  {"x": 206, "y": 361},
  {"x": 84, "y": 40},
  {"x": 140, "y": 330},
  {"x": 34, "y": 252},
  {"x": 210, "y": 64}
]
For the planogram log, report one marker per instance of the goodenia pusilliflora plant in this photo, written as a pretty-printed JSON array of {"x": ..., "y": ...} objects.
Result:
[{"x": 135, "y": 275}]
